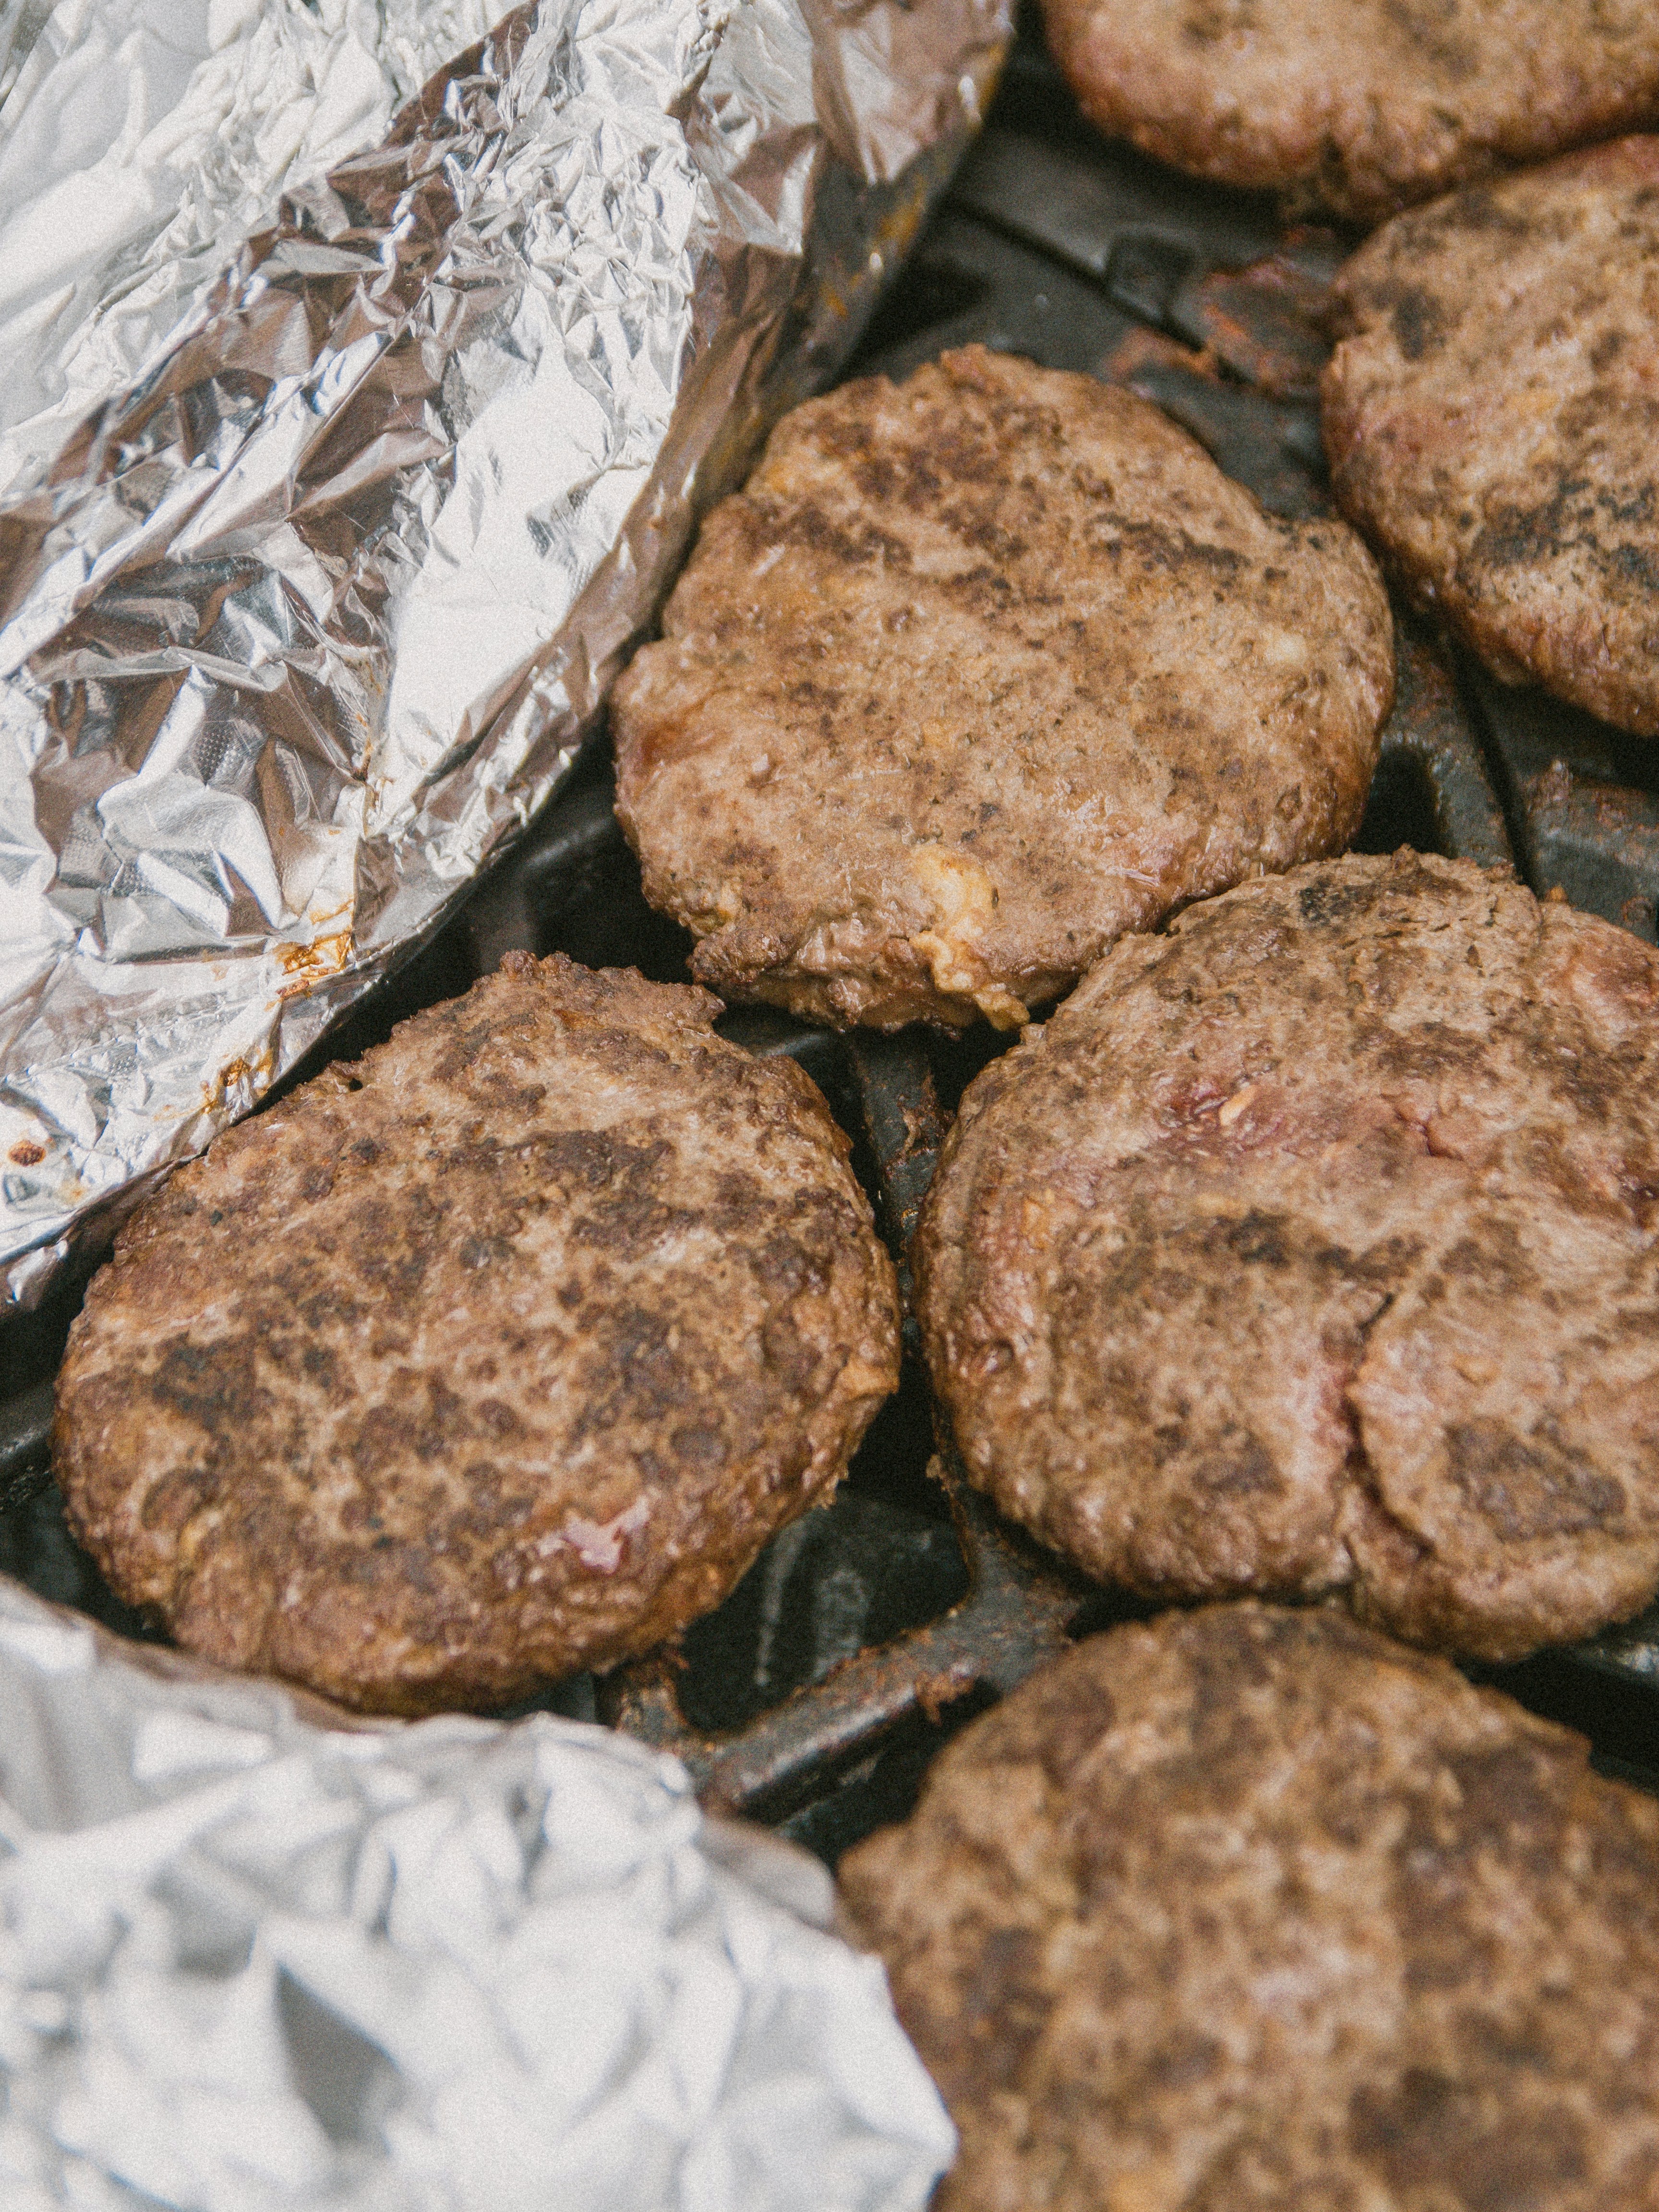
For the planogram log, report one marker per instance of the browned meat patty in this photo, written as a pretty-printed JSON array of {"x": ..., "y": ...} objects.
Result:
[
  {"x": 1311, "y": 1247},
  {"x": 979, "y": 672},
  {"x": 1249, "y": 1911},
  {"x": 1492, "y": 420},
  {"x": 496, "y": 1354},
  {"x": 1361, "y": 107}
]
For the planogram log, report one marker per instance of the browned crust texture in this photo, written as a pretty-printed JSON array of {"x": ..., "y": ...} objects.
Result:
[
  {"x": 1311, "y": 1247},
  {"x": 1361, "y": 107},
  {"x": 980, "y": 671},
  {"x": 496, "y": 1354},
  {"x": 1250, "y": 1909},
  {"x": 1492, "y": 420}
]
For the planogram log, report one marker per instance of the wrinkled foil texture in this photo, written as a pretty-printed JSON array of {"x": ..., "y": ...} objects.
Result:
[
  {"x": 119, "y": 213},
  {"x": 253, "y": 1962},
  {"x": 302, "y": 624}
]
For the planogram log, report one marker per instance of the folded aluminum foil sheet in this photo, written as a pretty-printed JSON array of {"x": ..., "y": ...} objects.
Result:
[
  {"x": 253, "y": 1962},
  {"x": 305, "y": 621},
  {"x": 119, "y": 214}
]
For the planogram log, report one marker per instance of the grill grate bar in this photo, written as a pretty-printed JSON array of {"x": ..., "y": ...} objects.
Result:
[{"x": 1019, "y": 1611}]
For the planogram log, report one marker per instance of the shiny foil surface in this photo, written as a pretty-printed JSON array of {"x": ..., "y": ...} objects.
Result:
[
  {"x": 257, "y": 1958},
  {"x": 301, "y": 623},
  {"x": 119, "y": 213}
]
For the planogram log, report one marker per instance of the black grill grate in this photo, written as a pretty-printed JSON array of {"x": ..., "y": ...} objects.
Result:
[{"x": 814, "y": 1697}]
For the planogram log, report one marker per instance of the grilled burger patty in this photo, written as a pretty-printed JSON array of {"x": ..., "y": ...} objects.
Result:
[
  {"x": 1247, "y": 1909},
  {"x": 980, "y": 671},
  {"x": 1492, "y": 420},
  {"x": 1359, "y": 106},
  {"x": 1311, "y": 1247},
  {"x": 496, "y": 1354}
]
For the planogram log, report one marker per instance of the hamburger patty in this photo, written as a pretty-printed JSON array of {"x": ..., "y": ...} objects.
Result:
[
  {"x": 1311, "y": 1247},
  {"x": 496, "y": 1354},
  {"x": 1248, "y": 1910},
  {"x": 1359, "y": 106},
  {"x": 980, "y": 671},
  {"x": 1492, "y": 420}
]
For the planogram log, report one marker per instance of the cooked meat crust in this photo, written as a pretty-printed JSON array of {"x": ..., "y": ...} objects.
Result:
[
  {"x": 496, "y": 1354},
  {"x": 1311, "y": 1247},
  {"x": 1361, "y": 107},
  {"x": 980, "y": 671},
  {"x": 1248, "y": 1910},
  {"x": 1492, "y": 420}
]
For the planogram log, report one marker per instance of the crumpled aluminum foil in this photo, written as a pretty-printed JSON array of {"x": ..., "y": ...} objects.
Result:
[
  {"x": 299, "y": 629},
  {"x": 250, "y": 1962},
  {"x": 119, "y": 215}
]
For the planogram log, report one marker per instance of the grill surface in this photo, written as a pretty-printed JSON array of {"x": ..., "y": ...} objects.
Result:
[{"x": 816, "y": 1695}]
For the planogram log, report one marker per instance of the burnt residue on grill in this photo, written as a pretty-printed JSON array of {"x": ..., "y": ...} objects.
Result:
[{"x": 869, "y": 1630}]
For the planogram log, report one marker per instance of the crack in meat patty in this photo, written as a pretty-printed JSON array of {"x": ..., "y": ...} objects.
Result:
[
  {"x": 980, "y": 671},
  {"x": 1360, "y": 107},
  {"x": 1492, "y": 421},
  {"x": 1247, "y": 1910},
  {"x": 1314, "y": 1247},
  {"x": 497, "y": 1354}
]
